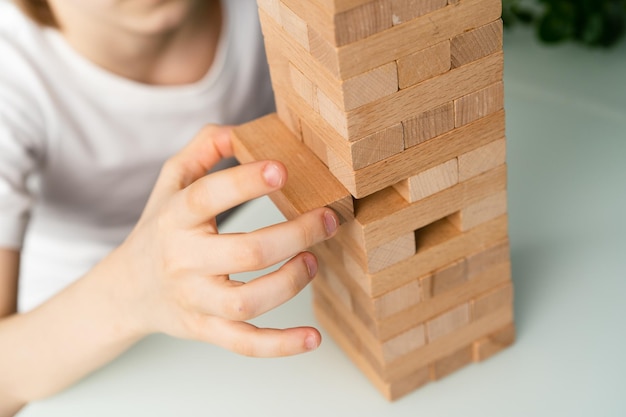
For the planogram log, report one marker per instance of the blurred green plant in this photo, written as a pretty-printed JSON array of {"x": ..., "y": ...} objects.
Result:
[{"x": 590, "y": 22}]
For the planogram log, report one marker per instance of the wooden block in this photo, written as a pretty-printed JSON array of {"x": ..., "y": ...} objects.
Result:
[
  {"x": 479, "y": 212},
  {"x": 376, "y": 147},
  {"x": 374, "y": 51},
  {"x": 370, "y": 86},
  {"x": 383, "y": 216},
  {"x": 271, "y": 8},
  {"x": 391, "y": 252},
  {"x": 451, "y": 363},
  {"x": 303, "y": 87},
  {"x": 478, "y": 104},
  {"x": 380, "y": 175},
  {"x": 484, "y": 259},
  {"x": 492, "y": 301},
  {"x": 449, "y": 277},
  {"x": 448, "y": 322},
  {"x": 428, "y": 125},
  {"x": 429, "y": 182},
  {"x": 426, "y": 283},
  {"x": 432, "y": 254},
  {"x": 362, "y": 21},
  {"x": 404, "y": 343},
  {"x": 425, "y": 64},
  {"x": 346, "y": 94},
  {"x": 432, "y": 257},
  {"x": 315, "y": 143},
  {"x": 405, "y": 10},
  {"x": 269, "y": 138},
  {"x": 391, "y": 390},
  {"x": 446, "y": 345},
  {"x": 397, "y": 300},
  {"x": 419, "y": 266},
  {"x": 419, "y": 98},
  {"x": 482, "y": 159},
  {"x": 334, "y": 284},
  {"x": 354, "y": 155},
  {"x": 428, "y": 309},
  {"x": 452, "y": 329},
  {"x": 294, "y": 25},
  {"x": 477, "y": 43},
  {"x": 334, "y": 7},
  {"x": 486, "y": 347},
  {"x": 289, "y": 118}
]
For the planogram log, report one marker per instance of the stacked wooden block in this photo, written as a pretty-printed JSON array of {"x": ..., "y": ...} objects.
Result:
[{"x": 401, "y": 102}]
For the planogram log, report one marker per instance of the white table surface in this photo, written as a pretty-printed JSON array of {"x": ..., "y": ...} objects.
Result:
[{"x": 566, "y": 125}]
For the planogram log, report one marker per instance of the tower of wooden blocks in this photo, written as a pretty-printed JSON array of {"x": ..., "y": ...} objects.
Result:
[{"x": 391, "y": 112}]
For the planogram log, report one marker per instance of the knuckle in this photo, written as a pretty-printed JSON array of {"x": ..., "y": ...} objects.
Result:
[
  {"x": 252, "y": 255},
  {"x": 195, "y": 201},
  {"x": 237, "y": 307}
]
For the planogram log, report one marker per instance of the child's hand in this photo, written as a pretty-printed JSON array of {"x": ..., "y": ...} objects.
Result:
[{"x": 174, "y": 266}]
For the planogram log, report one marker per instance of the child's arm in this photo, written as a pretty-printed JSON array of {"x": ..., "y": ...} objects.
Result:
[{"x": 170, "y": 276}]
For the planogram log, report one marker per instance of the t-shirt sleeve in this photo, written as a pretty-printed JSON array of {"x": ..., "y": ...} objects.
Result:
[{"x": 18, "y": 158}]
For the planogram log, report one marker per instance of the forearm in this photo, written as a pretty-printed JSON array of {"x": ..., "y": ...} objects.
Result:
[{"x": 79, "y": 330}]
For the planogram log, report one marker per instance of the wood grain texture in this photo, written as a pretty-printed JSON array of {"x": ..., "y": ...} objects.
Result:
[
  {"x": 383, "y": 324},
  {"x": 390, "y": 253},
  {"x": 438, "y": 26},
  {"x": 486, "y": 347},
  {"x": 435, "y": 250},
  {"x": 421, "y": 97},
  {"x": 448, "y": 322},
  {"x": 479, "y": 104},
  {"x": 391, "y": 390},
  {"x": 362, "y": 21},
  {"x": 482, "y": 159},
  {"x": 451, "y": 363},
  {"x": 480, "y": 211},
  {"x": 380, "y": 175},
  {"x": 294, "y": 25},
  {"x": 476, "y": 43},
  {"x": 495, "y": 276},
  {"x": 492, "y": 301},
  {"x": 429, "y": 124},
  {"x": 429, "y": 182},
  {"x": 484, "y": 259},
  {"x": 288, "y": 117},
  {"x": 386, "y": 215},
  {"x": 269, "y": 138},
  {"x": 405, "y": 365},
  {"x": 370, "y": 86},
  {"x": 353, "y": 155},
  {"x": 405, "y": 10},
  {"x": 397, "y": 300},
  {"x": 404, "y": 343},
  {"x": 348, "y": 94},
  {"x": 303, "y": 87},
  {"x": 425, "y": 64},
  {"x": 448, "y": 277}
]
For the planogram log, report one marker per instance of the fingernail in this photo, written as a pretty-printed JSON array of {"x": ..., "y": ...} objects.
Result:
[
  {"x": 311, "y": 265},
  {"x": 330, "y": 222},
  {"x": 272, "y": 175},
  {"x": 310, "y": 342}
]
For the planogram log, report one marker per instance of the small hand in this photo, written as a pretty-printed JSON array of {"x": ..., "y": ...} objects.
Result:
[{"x": 175, "y": 265}]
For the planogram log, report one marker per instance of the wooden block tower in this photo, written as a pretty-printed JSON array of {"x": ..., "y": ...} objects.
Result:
[{"x": 391, "y": 112}]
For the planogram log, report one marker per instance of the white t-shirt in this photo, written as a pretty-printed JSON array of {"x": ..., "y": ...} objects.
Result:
[{"x": 80, "y": 148}]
